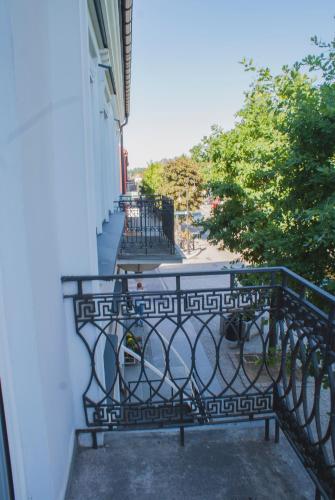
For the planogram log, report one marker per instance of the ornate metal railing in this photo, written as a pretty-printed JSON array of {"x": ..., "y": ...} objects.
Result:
[
  {"x": 197, "y": 348},
  {"x": 149, "y": 225}
]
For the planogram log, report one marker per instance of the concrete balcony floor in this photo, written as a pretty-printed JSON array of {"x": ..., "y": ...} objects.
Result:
[{"x": 231, "y": 462}]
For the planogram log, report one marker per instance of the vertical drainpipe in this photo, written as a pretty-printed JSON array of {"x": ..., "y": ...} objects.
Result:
[
  {"x": 125, "y": 12},
  {"x": 123, "y": 165}
]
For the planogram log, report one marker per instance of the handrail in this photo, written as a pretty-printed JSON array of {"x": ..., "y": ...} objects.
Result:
[
  {"x": 111, "y": 277},
  {"x": 239, "y": 271}
]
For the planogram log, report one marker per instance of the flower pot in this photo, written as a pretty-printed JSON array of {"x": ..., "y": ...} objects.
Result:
[{"x": 233, "y": 328}]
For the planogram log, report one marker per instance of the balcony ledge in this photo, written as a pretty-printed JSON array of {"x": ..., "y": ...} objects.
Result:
[
  {"x": 132, "y": 260},
  {"x": 108, "y": 243}
]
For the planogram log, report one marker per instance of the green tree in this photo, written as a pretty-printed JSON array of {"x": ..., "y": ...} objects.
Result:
[
  {"x": 152, "y": 179},
  {"x": 275, "y": 171},
  {"x": 183, "y": 182}
]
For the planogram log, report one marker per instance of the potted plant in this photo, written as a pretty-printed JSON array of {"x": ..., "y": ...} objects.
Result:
[
  {"x": 236, "y": 326},
  {"x": 134, "y": 343}
]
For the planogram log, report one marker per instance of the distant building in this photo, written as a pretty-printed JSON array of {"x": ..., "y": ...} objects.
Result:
[{"x": 124, "y": 170}]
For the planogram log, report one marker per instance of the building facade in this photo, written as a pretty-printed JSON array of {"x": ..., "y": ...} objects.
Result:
[{"x": 64, "y": 98}]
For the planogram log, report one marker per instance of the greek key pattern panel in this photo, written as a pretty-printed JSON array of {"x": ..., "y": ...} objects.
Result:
[
  {"x": 97, "y": 308},
  {"x": 174, "y": 412},
  {"x": 235, "y": 406},
  {"x": 105, "y": 307},
  {"x": 216, "y": 301},
  {"x": 144, "y": 414}
]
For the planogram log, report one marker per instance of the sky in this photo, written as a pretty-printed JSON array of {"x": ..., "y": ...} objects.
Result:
[{"x": 186, "y": 74}]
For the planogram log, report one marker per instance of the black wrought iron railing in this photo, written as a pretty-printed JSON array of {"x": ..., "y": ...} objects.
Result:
[
  {"x": 149, "y": 225},
  {"x": 214, "y": 347}
]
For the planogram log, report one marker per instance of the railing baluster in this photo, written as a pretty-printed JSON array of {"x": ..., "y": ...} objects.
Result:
[
  {"x": 178, "y": 300},
  {"x": 232, "y": 280},
  {"x": 331, "y": 331},
  {"x": 273, "y": 313},
  {"x": 267, "y": 429},
  {"x": 181, "y": 428}
]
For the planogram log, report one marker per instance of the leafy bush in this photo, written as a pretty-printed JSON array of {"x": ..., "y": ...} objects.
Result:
[{"x": 275, "y": 171}]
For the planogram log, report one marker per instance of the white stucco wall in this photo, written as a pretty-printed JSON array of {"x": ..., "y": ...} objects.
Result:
[
  {"x": 105, "y": 148},
  {"x": 54, "y": 194}
]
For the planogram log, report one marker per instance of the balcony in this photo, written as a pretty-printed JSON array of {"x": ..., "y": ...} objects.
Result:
[
  {"x": 148, "y": 234},
  {"x": 245, "y": 355}
]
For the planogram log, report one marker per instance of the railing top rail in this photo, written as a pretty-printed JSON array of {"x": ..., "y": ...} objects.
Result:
[
  {"x": 111, "y": 277},
  {"x": 309, "y": 284},
  {"x": 285, "y": 272}
]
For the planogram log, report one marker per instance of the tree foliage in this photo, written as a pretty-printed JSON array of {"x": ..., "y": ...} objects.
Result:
[
  {"x": 152, "y": 179},
  {"x": 183, "y": 182},
  {"x": 179, "y": 178},
  {"x": 275, "y": 171}
]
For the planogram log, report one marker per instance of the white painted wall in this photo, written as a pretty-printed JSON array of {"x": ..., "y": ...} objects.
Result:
[
  {"x": 55, "y": 191},
  {"x": 106, "y": 150}
]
